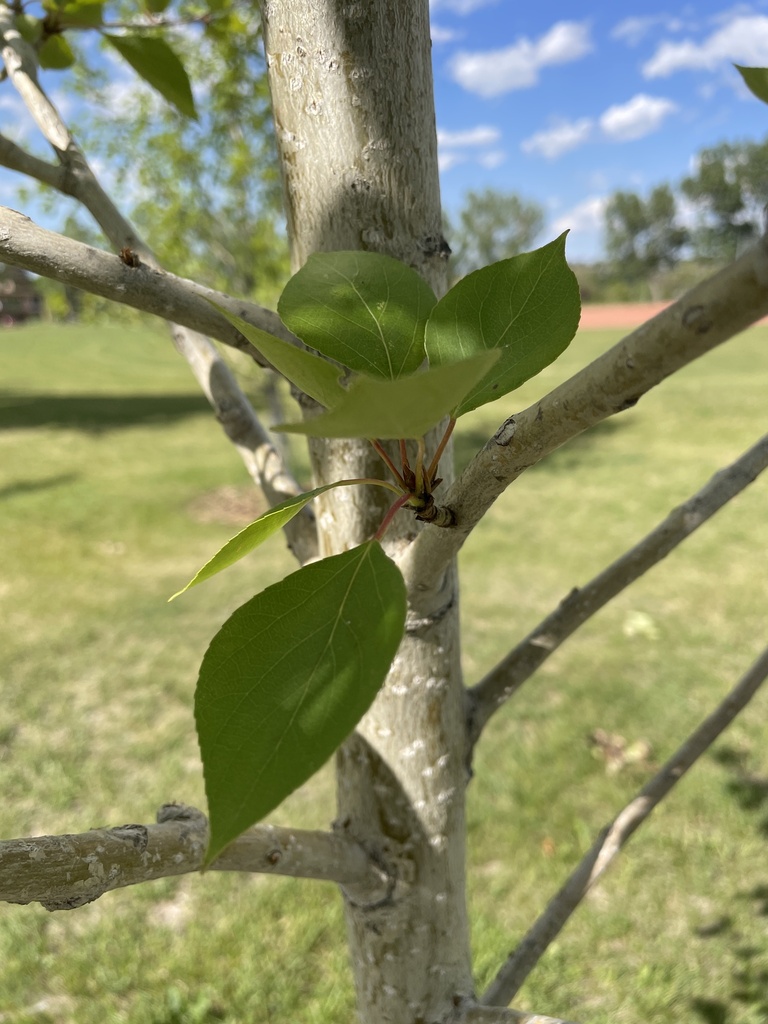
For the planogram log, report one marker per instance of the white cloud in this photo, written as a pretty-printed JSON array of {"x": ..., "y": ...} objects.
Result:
[
  {"x": 482, "y": 135},
  {"x": 588, "y": 215},
  {"x": 445, "y": 161},
  {"x": 638, "y": 117},
  {"x": 633, "y": 30},
  {"x": 553, "y": 142},
  {"x": 443, "y": 35},
  {"x": 743, "y": 40},
  {"x": 493, "y": 158},
  {"x": 492, "y": 72}
]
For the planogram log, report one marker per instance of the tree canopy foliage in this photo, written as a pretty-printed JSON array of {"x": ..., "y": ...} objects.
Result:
[{"x": 492, "y": 226}]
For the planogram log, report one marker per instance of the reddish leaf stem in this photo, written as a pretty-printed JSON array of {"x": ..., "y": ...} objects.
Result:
[
  {"x": 434, "y": 464},
  {"x": 382, "y": 453},
  {"x": 393, "y": 510}
]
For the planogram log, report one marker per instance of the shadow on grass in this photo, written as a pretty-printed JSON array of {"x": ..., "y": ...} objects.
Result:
[
  {"x": 749, "y": 973},
  {"x": 570, "y": 456},
  {"x": 30, "y": 486},
  {"x": 94, "y": 413}
]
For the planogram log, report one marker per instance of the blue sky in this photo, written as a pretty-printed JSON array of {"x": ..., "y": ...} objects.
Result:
[{"x": 565, "y": 103}]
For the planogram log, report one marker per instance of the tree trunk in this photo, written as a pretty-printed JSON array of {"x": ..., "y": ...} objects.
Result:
[{"x": 354, "y": 115}]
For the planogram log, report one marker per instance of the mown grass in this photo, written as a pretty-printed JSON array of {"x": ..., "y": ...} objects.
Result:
[{"x": 105, "y": 445}]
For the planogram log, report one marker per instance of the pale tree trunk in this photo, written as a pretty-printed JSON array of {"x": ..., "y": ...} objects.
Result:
[{"x": 354, "y": 115}]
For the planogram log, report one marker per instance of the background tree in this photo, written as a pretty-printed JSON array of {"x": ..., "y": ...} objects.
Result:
[
  {"x": 492, "y": 226},
  {"x": 352, "y": 96},
  {"x": 729, "y": 190},
  {"x": 643, "y": 236}
]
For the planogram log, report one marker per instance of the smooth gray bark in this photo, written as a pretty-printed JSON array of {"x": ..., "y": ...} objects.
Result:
[{"x": 352, "y": 94}]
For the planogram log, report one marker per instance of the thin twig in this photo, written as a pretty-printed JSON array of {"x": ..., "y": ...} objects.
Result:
[
  {"x": 64, "y": 872},
  {"x": 709, "y": 314},
  {"x": 611, "y": 840},
  {"x": 506, "y": 678}
]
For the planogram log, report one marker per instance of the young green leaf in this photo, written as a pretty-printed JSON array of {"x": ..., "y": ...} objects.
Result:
[
  {"x": 56, "y": 54},
  {"x": 287, "y": 677},
  {"x": 154, "y": 61},
  {"x": 756, "y": 80},
  {"x": 365, "y": 310},
  {"x": 255, "y": 534},
  {"x": 527, "y": 307},
  {"x": 312, "y": 374},
  {"x": 398, "y": 408}
]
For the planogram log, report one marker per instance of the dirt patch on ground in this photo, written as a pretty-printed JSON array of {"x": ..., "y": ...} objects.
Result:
[
  {"x": 232, "y": 506},
  {"x": 595, "y": 316}
]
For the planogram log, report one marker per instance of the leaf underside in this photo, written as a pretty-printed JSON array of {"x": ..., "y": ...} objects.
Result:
[
  {"x": 288, "y": 677},
  {"x": 408, "y": 407},
  {"x": 756, "y": 80},
  {"x": 312, "y": 374},
  {"x": 153, "y": 60}
]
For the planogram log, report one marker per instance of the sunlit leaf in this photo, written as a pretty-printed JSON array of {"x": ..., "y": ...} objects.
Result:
[
  {"x": 398, "y": 408},
  {"x": 288, "y": 677},
  {"x": 756, "y": 80},
  {"x": 312, "y": 374},
  {"x": 527, "y": 308},
  {"x": 365, "y": 310},
  {"x": 154, "y": 61},
  {"x": 255, "y": 534}
]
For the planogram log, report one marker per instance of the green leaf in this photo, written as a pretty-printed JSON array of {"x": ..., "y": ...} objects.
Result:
[
  {"x": 156, "y": 6},
  {"x": 255, "y": 534},
  {"x": 55, "y": 53},
  {"x": 315, "y": 376},
  {"x": 365, "y": 310},
  {"x": 756, "y": 80},
  {"x": 527, "y": 307},
  {"x": 398, "y": 408},
  {"x": 154, "y": 61},
  {"x": 288, "y": 677},
  {"x": 28, "y": 27},
  {"x": 81, "y": 14}
]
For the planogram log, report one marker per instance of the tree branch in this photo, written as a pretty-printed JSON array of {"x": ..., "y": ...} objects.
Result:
[
  {"x": 506, "y": 678},
  {"x": 611, "y": 840},
  {"x": 706, "y": 316},
  {"x": 64, "y": 872},
  {"x": 24, "y": 244},
  {"x": 17, "y": 159},
  {"x": 74, "y": 177}
]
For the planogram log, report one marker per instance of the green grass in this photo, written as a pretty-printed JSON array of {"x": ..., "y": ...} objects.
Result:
[{"x": 104, "y": 445}]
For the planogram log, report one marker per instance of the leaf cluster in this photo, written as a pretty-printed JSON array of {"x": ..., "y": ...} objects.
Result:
[{"x": 291, "y": 673}]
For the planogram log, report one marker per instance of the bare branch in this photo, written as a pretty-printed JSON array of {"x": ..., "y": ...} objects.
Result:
[
  {"x": 24, "y": 244},
  {"x": 17, "y": 159},
  {"x": 64, "y": 872},
  {"x": 506, "y": 678},
  {"x": 611, "y": 840},
  {"x": 74, "y": 177},
  {"x": 706, "y": 316}
]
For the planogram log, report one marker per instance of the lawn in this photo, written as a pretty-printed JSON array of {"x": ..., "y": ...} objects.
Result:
[{"x": 108, "y": 454}]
